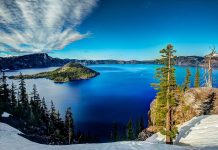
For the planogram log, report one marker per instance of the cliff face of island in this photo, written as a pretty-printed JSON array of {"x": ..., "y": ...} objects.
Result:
[
  {"x": 42, "y": 60},
  {"x": 69, "y": 72}
]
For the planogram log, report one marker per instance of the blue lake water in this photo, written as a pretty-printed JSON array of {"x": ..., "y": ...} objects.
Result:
[{"x": 118, "y": 93}]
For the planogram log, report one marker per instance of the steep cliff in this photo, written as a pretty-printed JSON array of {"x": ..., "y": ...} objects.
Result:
[
  {"x": 31, "y": 61},
  {"x": 194, "y": 102}
]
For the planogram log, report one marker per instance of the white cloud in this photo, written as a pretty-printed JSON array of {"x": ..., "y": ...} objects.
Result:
[{"x": 29, "y": 26}]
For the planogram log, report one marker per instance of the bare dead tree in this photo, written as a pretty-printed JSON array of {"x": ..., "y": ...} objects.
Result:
[{"x": 208, "y": 76}]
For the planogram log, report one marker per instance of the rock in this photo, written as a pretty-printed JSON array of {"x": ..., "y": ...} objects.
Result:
[
  {"x": 191, "y": 104},
  {"x": 146, "y": 133}
]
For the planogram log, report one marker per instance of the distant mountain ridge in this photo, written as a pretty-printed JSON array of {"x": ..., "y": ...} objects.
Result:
[
  {"x": 42, "y": 60},
  {"x": 31, "y": 61},
  {"x": 195, "y": 61}
]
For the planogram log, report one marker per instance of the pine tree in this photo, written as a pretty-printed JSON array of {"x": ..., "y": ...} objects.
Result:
[
  {"x": 197, "y": 78},
  {"x": 13, "y": 100},
  {"x": 165, "y": 99},
  {"x": 142, "y": 126},
  {"x": 52, "y": 119},
  {"x": 137, "y": 128},
  {"x": 187, "y": 80},
  {"x": 35, "y": 106},
  {"x": 60, "y": 131},
  {"x": 114, "y": 133},
  {"x": 69, "y": 126},
  {"x": 130, "y": 134},
  {"x": 5, "y": 94},
  {"x": 44, "y": 114},
  {"x": 23, "y": 103},
  {"x": 1, "y": 96},
  {"x": 124, "y": 133}
]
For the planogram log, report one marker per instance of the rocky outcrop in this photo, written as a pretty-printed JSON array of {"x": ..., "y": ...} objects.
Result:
[
  {"x": 194, "y": 102},
  {"x": 146, "y": 133}
]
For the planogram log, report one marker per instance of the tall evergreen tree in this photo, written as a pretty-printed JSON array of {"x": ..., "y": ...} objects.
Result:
[
  {"x": 137, "y": 127},
  {"x": 197, "y": 78},
  {"x": 69, "y": 126},
  {"x": 1, "y": 95},
  {"x": 123, "y": 133},
  {"x": 23, "y": 103},
  {"x": 60, "y": 128},
  {"x": 187, "y": 80},
  {"x": 130, "y": 134},
  {"x": 53, "y": 119},
  {"x": 114, "y": 132},
  {"x": 45, "y": 114},
  {"x": 5, "y": 93},
  {"x": 13, "y": 99},
  {"x": 35, "y": 104},
  {"x": 142, "y": 125},
  {"x": 165, "y": 99}
]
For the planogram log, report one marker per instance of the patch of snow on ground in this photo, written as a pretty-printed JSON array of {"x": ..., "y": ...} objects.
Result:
[
  {"x": 10, "y": 140},
  {"x": 5, "y": 115},
  {"x": 201, "y": 132}
]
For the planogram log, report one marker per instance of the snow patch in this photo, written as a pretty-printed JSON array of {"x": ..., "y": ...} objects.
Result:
[
  {"x": 201, "y": 132},
  {"x": 10, "y": 140},
  {"x": 5, "y": 115}
]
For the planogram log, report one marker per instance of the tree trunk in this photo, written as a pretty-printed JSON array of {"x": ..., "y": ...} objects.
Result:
[
  {"x": 168, "y": 116},
  {"x": 155, "y": 115},
  {"x": 209, "y": 73},
  {"x": 69, "y": 138}
]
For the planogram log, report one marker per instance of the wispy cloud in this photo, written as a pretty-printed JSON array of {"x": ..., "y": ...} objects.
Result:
[{"x": 31, "y": 26}]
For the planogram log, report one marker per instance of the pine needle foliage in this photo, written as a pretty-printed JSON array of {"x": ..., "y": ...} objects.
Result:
[
  {"x": 165, "y": 99},
  {"x": 197, "y": 78}
]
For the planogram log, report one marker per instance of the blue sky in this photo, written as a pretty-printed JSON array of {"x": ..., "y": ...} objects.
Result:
[{"x": 138, "y": 29}]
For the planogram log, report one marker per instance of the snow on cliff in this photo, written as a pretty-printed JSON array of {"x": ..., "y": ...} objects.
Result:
[
  {"x": 10, "y": 140},
  {"x": 201, "y": 132}
]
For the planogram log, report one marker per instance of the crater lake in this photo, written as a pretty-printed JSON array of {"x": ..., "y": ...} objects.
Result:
[{"x": 119, "y": 93}]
